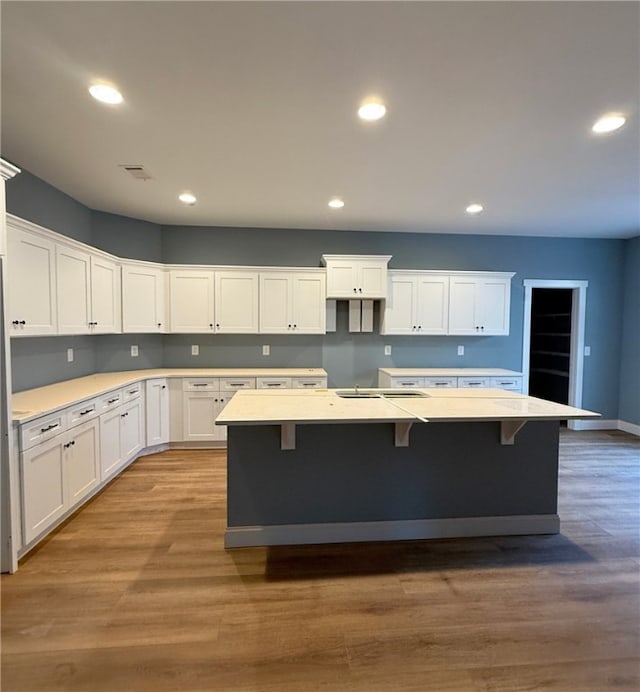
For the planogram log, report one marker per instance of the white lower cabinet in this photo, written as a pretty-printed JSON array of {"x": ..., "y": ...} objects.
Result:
[
  {"x": 157, "y": 411},
  {"x": 200, "y": 410},
  {"x": 121, "y": 436},
  {"x": 57, "y": 475}
]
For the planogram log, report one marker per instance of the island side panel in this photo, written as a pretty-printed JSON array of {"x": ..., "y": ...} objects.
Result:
[{"x": 354, "y": 473}]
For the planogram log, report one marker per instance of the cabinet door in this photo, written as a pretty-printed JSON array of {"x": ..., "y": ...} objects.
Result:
[
  {"x": 275, "y": 303},
  {"x": 372, "y": 279},
  {"x": 105, "y": 296},
  {"x": 31, "y": 285},
  {"x": 342, "y": 278},
  {"x": 308, "y": 303},
  {"x": 494, "y": 305},
  {"x": 73, "y": 283},
  {"x": 236, "y": 302},
  {"x": 401, "y": 306},
  {"x": 220, "y": 431},
  {"x": 43, "y": 494},
  {"x": 157, "y": 412},
  {"x": 131, "y": 420},
  {"x": 191, "y": 301},
  {"x": 81, "y": 470},
  {"x": 462, "y": 305},
  {"x": 432, "y": 307},
  {"x": 198, "y": 415},
  {"x": 143, "y": 304},
  {"x": 110, "y": 443}
]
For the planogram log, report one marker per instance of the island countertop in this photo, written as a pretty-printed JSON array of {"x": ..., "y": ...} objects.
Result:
[{"x": 321, "y": 406}]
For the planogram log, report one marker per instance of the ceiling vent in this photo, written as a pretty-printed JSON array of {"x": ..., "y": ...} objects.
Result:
[{"x": 137, "y": 171}]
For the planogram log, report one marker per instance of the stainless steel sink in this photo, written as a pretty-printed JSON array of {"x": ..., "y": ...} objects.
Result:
[{"x": 380, "y": 393}]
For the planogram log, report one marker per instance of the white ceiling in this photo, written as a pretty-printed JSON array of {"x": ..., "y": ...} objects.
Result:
[{"x": 252, "y": 107}]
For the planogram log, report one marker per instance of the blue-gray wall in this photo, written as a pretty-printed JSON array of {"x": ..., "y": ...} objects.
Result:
[
  {"x": 630, "y": 352},
  {"x": 608, "y": 266}
]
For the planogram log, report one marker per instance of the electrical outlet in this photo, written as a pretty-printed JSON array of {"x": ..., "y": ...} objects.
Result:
[
  {"x": 266, "y": 350},
  {"x": 134, "y": 351},
  {"x": 461, "y": 350},
  {"x": 587, "y": 350},
  {"x": 387, "y": 350},
  {"x": 69, "y": 355},
  {"x": 195, "y": 350}
]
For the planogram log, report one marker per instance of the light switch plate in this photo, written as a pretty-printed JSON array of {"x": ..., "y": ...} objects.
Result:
[
  {"x": 134, "y": 351},
  {"x": 69, "y": 355},
  {"x": 387, "y": 350},
  {"x": 461, "y": 350},
  {"x": 266, "y": 350},
  {"x": 195, "y": 350},
  {"x": 587, "y": 350}
]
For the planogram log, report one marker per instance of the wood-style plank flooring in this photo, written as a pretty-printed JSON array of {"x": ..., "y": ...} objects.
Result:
[{"x": 136, "y": 593}]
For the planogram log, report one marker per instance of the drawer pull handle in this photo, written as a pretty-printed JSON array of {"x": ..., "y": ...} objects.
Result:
[
  {"x": 112, "y": 401},
  {"x": 273, "y": 384},
  {"x": 132, "y": 391},
  {"x": 49, "y": 427},
  {"x": 86, "y": 411},
  {"x": 441, "y": 384},
  {"x": 237, "y": 384},
  {"x": 199, "y": 384}
]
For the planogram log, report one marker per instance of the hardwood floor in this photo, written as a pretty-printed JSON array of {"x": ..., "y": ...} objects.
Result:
[{"x": 136, "y": 593}]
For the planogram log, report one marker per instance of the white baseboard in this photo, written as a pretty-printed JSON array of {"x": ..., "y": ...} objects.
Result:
[
  {"x": 600, "y": 424},
  {"x": 629, "y": 427},
  {"x": 416, "y": 529}
]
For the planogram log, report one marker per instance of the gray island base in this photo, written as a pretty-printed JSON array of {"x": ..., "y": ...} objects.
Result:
[{"x": 349, "y": 482}]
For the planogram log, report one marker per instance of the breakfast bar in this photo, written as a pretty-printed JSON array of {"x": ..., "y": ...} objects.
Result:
[{"x": 328, "y": 466}]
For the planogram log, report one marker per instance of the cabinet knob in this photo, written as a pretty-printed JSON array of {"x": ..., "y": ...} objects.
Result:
[
  {"x": 164, "y": 386},
  {"x": 22, "y": 322},
  {"x": 211, "y": 325},
  {"x": 360, "y": 290},
  {"x": 355, "y": 290},
  {"x": 15, "y": 323},
  {"x": 159, "y": 324}
]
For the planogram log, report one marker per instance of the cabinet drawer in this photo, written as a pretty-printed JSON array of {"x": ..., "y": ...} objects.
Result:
[
  {"x": 42, "y": 429},
  {"x": 273, "y": 383},
  {"x": 109, "y": 401},
  {"x": 308, "y": 382},
  {"x": 512, "y": 383},
  {"x": 200, "y": 384},
  {"x": 407, "y": 382},
  {"x": 440, "y": 381},
  {"x": 477, "y": 382},
  {"x": 131, "y": 392},
  {"x": 232, "y": 384},
  {"x": 85, "y": 411}
]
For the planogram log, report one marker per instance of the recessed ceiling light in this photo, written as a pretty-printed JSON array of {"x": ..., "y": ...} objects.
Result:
[
  {"x": 372, "y": 109},
  {"x": 336, "y": 203},
  {"x": 187, "y": 198},
  {"x": 608, "y": 123},
  {"x": 474, "y": 208},
  {"x": 105, "y": 93}
]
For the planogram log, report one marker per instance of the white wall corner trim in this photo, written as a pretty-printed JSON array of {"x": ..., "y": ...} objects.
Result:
[{"x": 632, "y": 428}]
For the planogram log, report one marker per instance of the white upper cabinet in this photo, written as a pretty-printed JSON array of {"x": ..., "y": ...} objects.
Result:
[
  {"x": 480, "y": 303},
  {"x": 236, "y": 302},
  {"x": 31, "y": 283},
  {"x": 356, "y": 276},
  {"x": 88, "y": 292},
  {"x": 191, "y": 305},
  {"x": 143, "y": 298},
  {"x": 417, "y": 303},
  {"x": 292, "y": 302}
]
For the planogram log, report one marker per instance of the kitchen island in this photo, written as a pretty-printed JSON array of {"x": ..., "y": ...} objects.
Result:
[{"x": 329, "y": 466}]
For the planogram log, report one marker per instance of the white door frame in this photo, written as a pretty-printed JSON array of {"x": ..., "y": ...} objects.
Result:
[{"x": 578, "y": 313}]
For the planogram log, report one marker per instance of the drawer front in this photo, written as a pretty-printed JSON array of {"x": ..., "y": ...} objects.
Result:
[
  {"x": 474, "y": 382},
  {"x": 308, "y": 382},
  {"x": 273, "y": 383},
  {"x": 512, "y": 383},
  {"x": 232, "y": 384},
  {"x": 109, "y": 401},
  {"x": 85, "y": 411},
  {"x": 407, "y": 382},
  {"x": 200, "y": 384},
  {"x": 42, "y": 429},
  {"x": 440, "y": 382},
  {"x": 133, "y": 391}
]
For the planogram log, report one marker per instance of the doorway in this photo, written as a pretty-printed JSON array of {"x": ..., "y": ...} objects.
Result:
[{"x": 552, "y": 366}]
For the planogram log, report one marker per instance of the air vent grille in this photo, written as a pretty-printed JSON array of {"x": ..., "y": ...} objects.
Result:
[{"x": 137, "y": 171}]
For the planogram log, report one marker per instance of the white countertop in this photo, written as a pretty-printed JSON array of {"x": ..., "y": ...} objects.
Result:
[
  {"x": 264, "y": 407},
  {"x": 453, "y": 372},
  {"x": 37, "y": 402}
]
